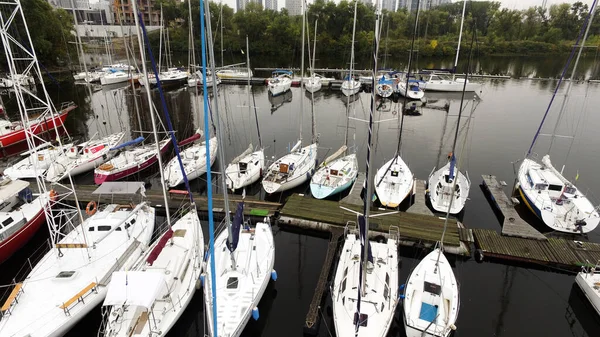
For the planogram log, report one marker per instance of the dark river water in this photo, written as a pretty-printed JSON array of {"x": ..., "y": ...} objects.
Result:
[{"x": 496, "y": 299}]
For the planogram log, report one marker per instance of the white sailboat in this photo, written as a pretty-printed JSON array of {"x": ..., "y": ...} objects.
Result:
[
  {"x": 336, "y": 173},
  {"x": 152, "y": 294},
  {"x": 447, "y": 182},
  {"x": 296, "y": 167},
  {"x": 313, "y": 83},
  {"x": 27, "y": 169},
  {"x": 351, "y": 86},
  {"x": 194, "y": 161},
  {"x": 364, "y": 291},
  {"x": 280, "y": 82},
  {"x": 114, "y": 77},
  {"x": 546, "y": 191},
  {"x": 83, "y": 157},
  {"x": 588, "y": 279},
  {"x": 72, "y": 278},
  {"x": 242, "y": 257},
  {"x": 414, "y": 90},
  {"x": 443, "y": 81},
  {"x": 248, "y": 167}
]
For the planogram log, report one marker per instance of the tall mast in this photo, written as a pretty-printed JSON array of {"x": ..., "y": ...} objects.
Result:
[
  {"x": 352, "y": 50},
  {"x": 302, "y": 66},
  {"x": 192, "y": 58},
  {"x": 314, "y": 50},
  {"x": 160, "y": 39},
  {"x": 585, "y": 26},
  {"x": 79, "y": 44},
  {"x": 368, "y": 187},
  {"x": 568, "y": 91},
  {"x": 462, "y": 20},
  {"x": 221, "y": 19},
  {"x": 251, "y": 94},
  {"x": 150, "y": 105},
  {"x": 211, "y": 55},
  {"x": 211, "y": 226}
]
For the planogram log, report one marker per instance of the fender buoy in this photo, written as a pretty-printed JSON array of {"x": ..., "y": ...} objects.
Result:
[
  {"x": 479, "y": 255},
  {"x": 53, "y": 195},
  {"x": 91, "y": 208}
]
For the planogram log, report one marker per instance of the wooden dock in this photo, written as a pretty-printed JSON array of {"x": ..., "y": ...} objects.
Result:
[
  {"x": 311, "y": 325},
  {"x": 555, "y": 252},
  {"x": 419, "y": 199},
  {"x": 354, "y": 198},
  {"x": 253, "y": 206},
  {"x": 512, "y": 224},
  {"x": 323, "y": 215}
]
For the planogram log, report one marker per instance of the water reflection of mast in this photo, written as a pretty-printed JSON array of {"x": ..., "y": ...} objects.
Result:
[{"x": 507, "y": 285}]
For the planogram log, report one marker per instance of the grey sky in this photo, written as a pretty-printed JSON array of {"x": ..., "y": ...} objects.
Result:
[{"x": 512, "y": 4}]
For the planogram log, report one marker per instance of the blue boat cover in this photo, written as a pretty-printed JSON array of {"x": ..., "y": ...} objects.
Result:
[
  {"x": 129, "y": 143},
  {"x": 452, "y": 165},
  {"x": 282, "y": 72},
  {"x": 428, "y": 312},
  {"x": 235, "y": 227}
]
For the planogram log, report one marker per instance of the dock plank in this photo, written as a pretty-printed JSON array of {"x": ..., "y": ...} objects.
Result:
[
  {"x": 512, "y": 224},
  {"x": 417, "y": 227},
  {"x": 419, "y": 205},
  {"x": 353, "y": 198},
  {"x": 553, "y": 252}
]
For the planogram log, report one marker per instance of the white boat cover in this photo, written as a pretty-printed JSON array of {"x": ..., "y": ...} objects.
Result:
[
  {"x": 244, "y": 154},
  {"x": 136, "y": 288},
  {"x": 120, "y": 187}
]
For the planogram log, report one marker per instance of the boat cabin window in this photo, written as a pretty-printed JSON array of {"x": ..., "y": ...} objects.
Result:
[
  {"x": 552, "y": 187},
  {"x": 104, "y": 228},
  {"x": 386, "y": 289},
  {"x": 394, "y": 173},
  {"x": 432, "y": 288},
  {"x": 540, "y": 187},
  {"x": 65, "y": 274},
  {"x": 243, "y": 167},
  {"x": 344, "y": 281},
  {"x": 570, "y": 189},
  {"x": 529, "y": 180},
  {"x": 7, "y": 222},
  {"x": 232, "y": 283},
  {"x": 333, "y": 172}
]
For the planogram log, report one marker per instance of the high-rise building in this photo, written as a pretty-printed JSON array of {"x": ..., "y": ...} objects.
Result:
[
  {"x": 124, "y": 9},
  {"x": 241, "y": 4},
  {"x": 389, "y": 5},
  {"x": 294, "y": 7},
  {"x": 99, "y": 12},
  {"x": 271, "y": 4}
]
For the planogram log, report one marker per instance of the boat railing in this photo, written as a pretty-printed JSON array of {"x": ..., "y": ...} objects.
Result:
[
  {"x": 66, "y": 105},
  {"x": 350, "y": 228},
  {"x": 26, "y": 268}
]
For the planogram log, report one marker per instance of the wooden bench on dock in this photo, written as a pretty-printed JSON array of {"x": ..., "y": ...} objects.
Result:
[
  {"x": 12, "y": 299},
  {"x": 92, "y": 287}
]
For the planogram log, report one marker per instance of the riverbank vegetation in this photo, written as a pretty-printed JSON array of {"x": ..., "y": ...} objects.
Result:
[{"x": 499, "y": 31}]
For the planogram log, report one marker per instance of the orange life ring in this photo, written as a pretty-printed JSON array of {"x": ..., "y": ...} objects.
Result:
[
  {"x": 53, "y": 195},
  {"x": 91, "y": 208}
]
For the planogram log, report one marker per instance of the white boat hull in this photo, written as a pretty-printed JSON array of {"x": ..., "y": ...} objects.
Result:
[
  {"x": 281, "y": 85},
  {"x": 350, "y": 88},
  {"x": 541, "y": 188},
  {"x": 440, "y": 190},
  {"x": 589, "y": 282},
  {"x": 25, "y": 168},
  {"x": 334, "y": 177},
  {"x": 255, "y": 256},
  {"x": 432, "y": 300},
  {"x": 246, "y": 171},
  {"x": 393, "y": 182},
  {"x": 344, "y": 292},
  {"x": 299, "y": 166},
  {"x": 194, "y": 162},
  {"x": 451, "y": 86},
  {"x": 412, "y": 93},
  {"x": 38, "y": 312}
]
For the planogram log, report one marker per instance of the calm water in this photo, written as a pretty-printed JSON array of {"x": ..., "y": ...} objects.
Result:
[{"x": 496, "y": 300}]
